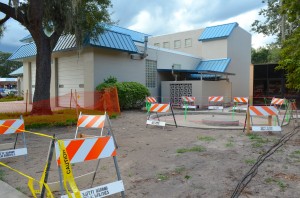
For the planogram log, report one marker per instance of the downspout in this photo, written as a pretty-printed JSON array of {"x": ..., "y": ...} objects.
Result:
[
  {"x": 173, "y": 74},
  {"x": 144, "y": 55}
]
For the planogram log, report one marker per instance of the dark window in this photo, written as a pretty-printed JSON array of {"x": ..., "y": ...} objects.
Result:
[{"x": 260, "y": 71}]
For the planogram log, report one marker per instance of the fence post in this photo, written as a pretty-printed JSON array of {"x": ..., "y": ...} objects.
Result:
[{"x": 71, "y": 99}]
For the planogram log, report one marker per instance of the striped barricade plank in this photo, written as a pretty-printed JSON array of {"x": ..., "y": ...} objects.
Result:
[
  {"x": 263, "y": 111},
  {"x": 160, "y": 108},
  {"x": 277, "y": 101},
  {"x": 216, "y": 99},
  {"x": 91, "y": 121},
  {"x": 188, "y": 99},
  {"x": 81, "y": 150},
  {"x": 240, "y": 100},
  {"x": 188, "y": 102},
  {"x": 11, "y": 126},
  {"x": 151, "y": 100}
]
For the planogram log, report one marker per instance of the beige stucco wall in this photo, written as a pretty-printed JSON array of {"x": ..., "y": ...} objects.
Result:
[
  {"x": 195, "y": 49},
  {"x": 201, "y": 90},
  {"x": 239, "y": 50},
  {"x": 214, "y": 49},
  {"x": 124, "y": 68}
]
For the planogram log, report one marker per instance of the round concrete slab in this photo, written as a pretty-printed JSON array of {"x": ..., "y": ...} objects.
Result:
[{"x": 219, "y": 120}]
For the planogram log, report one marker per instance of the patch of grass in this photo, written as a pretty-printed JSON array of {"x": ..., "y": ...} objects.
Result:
[
  {"x": 11, "y": 98},
  {"x": 257, "y": 140},
  {"x": 2, "y": 175},
  {"x": 295, "y": 154},
  {"x": 187, "y": 177},
  {"x": 269, "y": 180},
  {"x": 206, "y": 138},
  {"x": 279, "y": 183},
  {"x": 193, "y": 149},
  {"x": 179, "y": 170},
  {"x": 250, "y": 161},
  {"x": 65, "y": 117},
  {"x": 230, "y": 143},
  {"x": 162, "y": 177}
]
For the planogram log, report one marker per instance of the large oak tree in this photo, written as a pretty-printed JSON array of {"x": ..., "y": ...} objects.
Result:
[{"x": 47, "y": 20}]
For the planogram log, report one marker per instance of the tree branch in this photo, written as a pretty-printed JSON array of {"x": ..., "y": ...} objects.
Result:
[
  {"x": 13, "y": 13},
  {"x": 2, "y": 21}
]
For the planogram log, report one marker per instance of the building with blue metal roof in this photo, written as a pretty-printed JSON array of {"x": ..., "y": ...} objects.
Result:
[
  {"x": 217, "y": 56},
  {"x": 223, "y": 48}
]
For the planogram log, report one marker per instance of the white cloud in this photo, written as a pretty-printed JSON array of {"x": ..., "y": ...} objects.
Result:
[{"x": 161, "y": 17}]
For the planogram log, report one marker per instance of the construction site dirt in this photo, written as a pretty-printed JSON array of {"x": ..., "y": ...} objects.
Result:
[{"x": 171, "y": 162}]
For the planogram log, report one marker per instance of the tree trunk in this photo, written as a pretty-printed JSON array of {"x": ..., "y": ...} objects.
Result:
[{"x": 41, "y": 99}]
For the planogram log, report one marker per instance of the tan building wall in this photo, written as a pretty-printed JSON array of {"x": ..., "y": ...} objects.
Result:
[
  {"x": 182, "y": 37},
  {"x": 201, "y": 90},
  {"x": 239, "y": 50},
  {"x": 214, "y": 49}
]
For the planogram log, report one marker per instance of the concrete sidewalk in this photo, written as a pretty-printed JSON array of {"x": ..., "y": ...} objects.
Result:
[{"x": 9, "y": 192}]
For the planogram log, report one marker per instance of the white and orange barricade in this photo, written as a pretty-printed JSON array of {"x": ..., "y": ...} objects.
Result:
[
  {"x": 240, "y": 103},
  {"x": 266, "y": 111},
  {"x": 188, "y": 102},
  {"x": 159, "y": 108},
  {"x": 12, "y": 126},
  {"x": 82, "y": 150},
  {"x": 277, "y": 102},
  {"x": 151, "y": 99},
  {"x": 216, "y": 102},
  {"x": 96, "y": 122}
]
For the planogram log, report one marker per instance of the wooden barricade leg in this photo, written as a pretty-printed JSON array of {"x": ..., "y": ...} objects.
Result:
[{"x": 248, "y": 122}]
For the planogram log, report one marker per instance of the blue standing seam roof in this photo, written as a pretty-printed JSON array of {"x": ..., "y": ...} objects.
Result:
[
  {"x": 217, "y": 32},
  {"x": 217, "y": 65},
  {"x": 108, "y": 39},
  {"x": 136, "y": 36}
]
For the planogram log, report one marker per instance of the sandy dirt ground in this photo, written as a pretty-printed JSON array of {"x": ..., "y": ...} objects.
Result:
[{"x": 174, "y": 162}]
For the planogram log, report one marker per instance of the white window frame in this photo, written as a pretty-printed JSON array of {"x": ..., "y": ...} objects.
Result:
[
  {"x": 188, "y": 42},
  {"x": 177, "y": 44},
  {"x": 166, "y": 44}
]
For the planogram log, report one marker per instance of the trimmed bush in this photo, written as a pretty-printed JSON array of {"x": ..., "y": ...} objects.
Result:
[{"x": 131, "y": 94}]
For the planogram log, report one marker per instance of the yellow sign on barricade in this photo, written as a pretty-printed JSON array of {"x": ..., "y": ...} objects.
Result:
[{"x": 80, "y": 150}]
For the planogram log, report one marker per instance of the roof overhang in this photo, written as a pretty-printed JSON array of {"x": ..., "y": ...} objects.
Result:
[{"x": 196, "y": 72}]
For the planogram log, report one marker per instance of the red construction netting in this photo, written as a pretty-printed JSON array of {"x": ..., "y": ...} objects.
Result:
[{"x": 102, "y": 101}]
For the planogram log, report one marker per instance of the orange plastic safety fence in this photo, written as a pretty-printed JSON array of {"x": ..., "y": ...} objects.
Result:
[{"x": 108, "y": 101}]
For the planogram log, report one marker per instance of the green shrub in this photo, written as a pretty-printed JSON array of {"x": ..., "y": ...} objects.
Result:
[
  {"x": 131, "y": 94},
  {"x": 108, "y": 82}
]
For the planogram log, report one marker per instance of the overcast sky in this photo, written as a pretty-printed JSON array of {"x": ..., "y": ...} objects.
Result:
[{"x": 156, "y": 17}]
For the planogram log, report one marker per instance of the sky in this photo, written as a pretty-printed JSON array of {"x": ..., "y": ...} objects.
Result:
[{"x": 157, "y": 17}]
